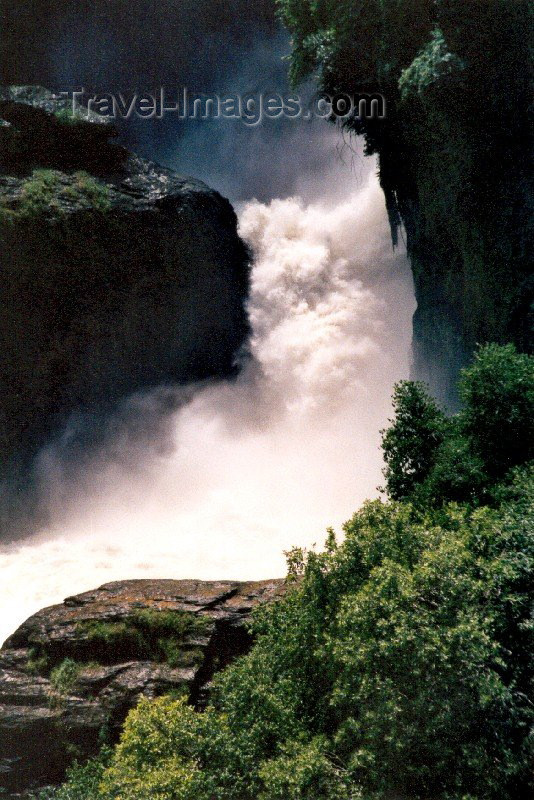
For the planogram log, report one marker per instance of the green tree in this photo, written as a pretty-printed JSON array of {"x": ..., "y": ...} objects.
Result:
[
  {"x": 410, "y": 446},
  {"x": 431, "y": 459},
  {"x": 497, "y": 391}
]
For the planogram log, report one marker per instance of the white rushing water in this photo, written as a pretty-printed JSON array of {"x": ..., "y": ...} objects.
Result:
[{"x": 264, "y": 462}]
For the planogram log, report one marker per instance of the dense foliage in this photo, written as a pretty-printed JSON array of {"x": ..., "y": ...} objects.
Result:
[
  {"x": 433, "y": 458},
  {"x": 453, "y": 152},
  {"x": 400, "y": 662}
]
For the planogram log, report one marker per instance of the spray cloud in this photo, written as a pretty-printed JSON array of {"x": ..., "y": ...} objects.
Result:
[{"x": 215, "y": 481}]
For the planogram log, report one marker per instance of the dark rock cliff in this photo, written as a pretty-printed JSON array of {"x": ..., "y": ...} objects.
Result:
[
  {"x": 455, "y": 166},
  {"x": 117, "y": 276},
  {"x": 70, "y": 674},
  {"x": 454, "y": 150}
]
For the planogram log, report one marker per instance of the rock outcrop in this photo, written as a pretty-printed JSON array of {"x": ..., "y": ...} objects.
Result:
[
  {"x": 453, "y": 149},
  {"x": 117, "y": 276},
  {"x": 70, "y": 674}
]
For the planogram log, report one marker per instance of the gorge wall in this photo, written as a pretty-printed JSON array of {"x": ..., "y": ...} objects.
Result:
[
  {"x": 454, "y": 155},
  {"x": 454, "y": 166},
  {"x": 118, "y": 276}
]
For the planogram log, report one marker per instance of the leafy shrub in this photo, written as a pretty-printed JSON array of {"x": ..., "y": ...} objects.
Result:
[
  {"x": 304, "y": 772},
  {"x": 83, "y": 780},
  {"x": 38, "y": 193},
  {"x": 431, "y": 459},
  {"x": 497, "y": 391},
  {"x": 428, "y": 67},
  {"x": 163, "y": 751},
  {"x": 38, "y": 661},
  {"x": 62, "y": 681}
]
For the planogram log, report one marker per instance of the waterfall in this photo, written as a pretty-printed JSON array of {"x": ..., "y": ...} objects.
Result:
[{"x": 252, "y": 466}]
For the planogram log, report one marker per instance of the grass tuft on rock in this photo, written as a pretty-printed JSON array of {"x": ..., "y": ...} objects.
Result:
[
  {"x": 155, "y": 635},
  {"x": 46, "y": 191}
]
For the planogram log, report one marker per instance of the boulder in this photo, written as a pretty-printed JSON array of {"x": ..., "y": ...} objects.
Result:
[{"x": 70, "y": 673}]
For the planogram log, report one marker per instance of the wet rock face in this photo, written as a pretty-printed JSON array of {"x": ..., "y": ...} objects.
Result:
[
  {"x": 118, "y": 276},
  {"x": 59, "y": 701}
]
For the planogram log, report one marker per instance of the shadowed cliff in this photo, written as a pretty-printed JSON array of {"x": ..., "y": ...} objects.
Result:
[{"x": 118, "y": 276}]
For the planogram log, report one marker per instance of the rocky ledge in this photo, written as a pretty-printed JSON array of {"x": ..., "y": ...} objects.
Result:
[{"x": 70, "y": 674}]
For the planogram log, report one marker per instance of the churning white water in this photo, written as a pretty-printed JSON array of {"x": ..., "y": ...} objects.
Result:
[{"x": 264, "y": 462}]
